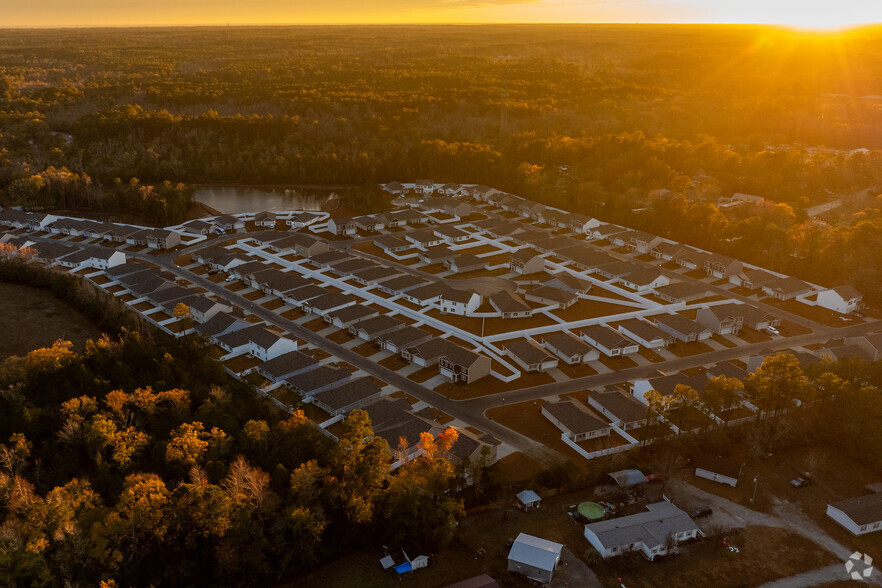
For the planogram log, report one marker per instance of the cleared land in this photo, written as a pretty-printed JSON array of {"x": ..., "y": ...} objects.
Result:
[{"x": 34, "y": 318}]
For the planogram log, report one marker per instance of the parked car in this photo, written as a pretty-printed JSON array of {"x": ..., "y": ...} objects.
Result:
[
  {"x": 802, "y": 481},
  {"x": 229, "y": 279},
  {"x": 772, "y": 331},
  {"x": 654, "y": 478},
  {"x": 701, "y": 512}
]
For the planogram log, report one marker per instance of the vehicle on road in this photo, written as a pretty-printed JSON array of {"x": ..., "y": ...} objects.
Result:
[{"x": 772, "y": 331}]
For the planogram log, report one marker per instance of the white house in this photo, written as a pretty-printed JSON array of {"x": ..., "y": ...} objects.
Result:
[
  {"x": 534, "y": 557},
  {"x": 609, "y": 342},
  {"x": 568, "y": 347},
  {"x": 529, "y": 356},
  {"x": 658, "y": 531},
  {"x": 842, "y": 299},
  {"x": 574, "y": 420},
  {"x": 860, "y": 515}
]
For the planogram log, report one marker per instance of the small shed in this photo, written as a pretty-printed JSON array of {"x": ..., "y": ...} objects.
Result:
[
  {"x": 627, "y": 478},
  {"x": 529, "y": 500},
  {"x": 534, "y": 557},
  {"x": 717, "y": 469}
]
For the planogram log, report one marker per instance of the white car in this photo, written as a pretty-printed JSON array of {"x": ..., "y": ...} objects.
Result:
[
  {"x": 772, "y": 331},
  {"x": 229, "y": 279}
]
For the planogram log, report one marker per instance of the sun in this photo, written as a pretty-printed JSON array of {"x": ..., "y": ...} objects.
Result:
[{"x": 814, "y": 15}]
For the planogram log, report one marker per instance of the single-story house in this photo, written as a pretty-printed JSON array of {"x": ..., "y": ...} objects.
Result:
[
  {"x": 574, "y": 420},
  {"x": 529, "y": 356},
  {"x": 256, "y": 340},
  {"x": 348, "y": 315},
  {"x": 645, "y": 333},
  {"x": 548, "y": 296},
  {"x": 625, "y": 411},
  {"x": 265, "y": 219},
  {"x": 286, "y": 365},
  {"x": 682, "y": 328},
  {"x": 860, "y": 515},
  {"x": 681, "y": 292},
  {"x": 786, "y": 288},
  {"x": 608, "y": 341},
  {"x": 348, "y": 396},
  {"x": 315, "y": 380},
  {"x": 571, "y": 349},
  {"x": 370, "y": 329},
  {"x": 510, "y": 305},
  {"x": 655, "y": 532}
]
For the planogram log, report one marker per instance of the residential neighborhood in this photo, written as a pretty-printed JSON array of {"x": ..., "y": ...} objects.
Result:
[{"x": 438, "y": 317}]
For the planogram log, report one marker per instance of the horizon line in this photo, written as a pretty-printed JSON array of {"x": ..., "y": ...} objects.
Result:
[{"x": 847, "y": 27}]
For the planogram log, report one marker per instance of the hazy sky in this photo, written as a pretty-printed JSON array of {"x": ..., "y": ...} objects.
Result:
[{"x": 804, "y": 13}]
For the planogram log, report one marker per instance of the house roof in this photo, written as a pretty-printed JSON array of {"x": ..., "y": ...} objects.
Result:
[
  {"x": 318, "y": 377},
  {"x": 566, "y": 343},
  {"x": 403, "y": 283},
  {"x": 605, "y": 336},
  {"x": 505, "y": 301},
  {"x": 405, "y": 336},
  {"x": 719, "y": 465},
  {"x": 427, "y": 291},
  {"x": 643, "y": 329},
  {"x": 467, "y": 260},
  {"x": 437, "y": 253},
  {"x": 665, "y": 385},
  {"x": 726, "y": 368},
  {"x": 570, "y": 281},
  {"x": 433, "y": 348},
  {"x": 352, "y": 313},
  {"x": 553, "y": 294},
  {"x": 342, "y": 396},
  {"x": 288, "y": 362},
  {"x": 623, "y": 406},
  {"x": 863, "y": 510},
  {"x": 330, "y": 258},
  {"x": 847, "y": 292},
  {"x": 258, "y": 335},
  {"x": 305, "y": 293},
  {"x": 331, "y": 300},
  {"x": 652, "y": 528},
  {"x": 377, "y": 324},
  {"x": 788, "y": 285},
  {"x": 456, "y": 295},
  {"x": 535, "y": 552},
  {"x": 575, "y": 417},
  {"x": 461, "y": 356},
  {"x": 219, "y": 323},
  {"x": 390, "y": 241},
  {"x": 376, "y": 274},
  {"x": 679, "y": 323},
  {"x": 527, "y": 351},
  {"x": 643, "y": 276},
  {"x": 523, "y": 255},
  {"x": 682, "y": 290}
]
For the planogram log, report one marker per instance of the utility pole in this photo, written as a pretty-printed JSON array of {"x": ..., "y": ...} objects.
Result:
[{"x": 753, "y": 498}]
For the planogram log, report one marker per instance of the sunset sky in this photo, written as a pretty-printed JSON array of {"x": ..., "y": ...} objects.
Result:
[{"x": 799, "y": 13}]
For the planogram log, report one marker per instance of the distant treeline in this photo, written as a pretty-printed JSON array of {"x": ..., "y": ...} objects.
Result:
[{"x": 587, "y": 118}]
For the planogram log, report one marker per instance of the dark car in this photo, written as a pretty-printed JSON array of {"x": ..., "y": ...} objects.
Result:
[
  {"x": 654, "y": 478},
  {"x": 802, "y": 481},
  {"x": 701, "y": 512}
]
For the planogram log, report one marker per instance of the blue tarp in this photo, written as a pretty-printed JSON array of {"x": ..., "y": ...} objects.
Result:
[{"x": 403, "y": 568}]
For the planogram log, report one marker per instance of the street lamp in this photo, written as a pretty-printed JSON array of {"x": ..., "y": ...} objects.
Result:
[{"x": 753, "y": 498}]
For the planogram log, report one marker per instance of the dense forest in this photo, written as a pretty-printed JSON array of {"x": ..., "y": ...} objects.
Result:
[{"x": 660, "y": 120}]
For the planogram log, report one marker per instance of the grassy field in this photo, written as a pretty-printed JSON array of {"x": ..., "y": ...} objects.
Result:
[
  {"x": 33, "y": 318},
  {"x": 816, "y": 313},
  {"x": 585, "y": 309}
]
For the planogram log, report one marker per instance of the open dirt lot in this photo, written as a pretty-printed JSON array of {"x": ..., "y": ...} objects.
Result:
[{"x": 34, "y": 318}]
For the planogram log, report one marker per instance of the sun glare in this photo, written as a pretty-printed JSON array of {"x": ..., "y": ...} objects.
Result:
[{"x": 808, "y": 15}]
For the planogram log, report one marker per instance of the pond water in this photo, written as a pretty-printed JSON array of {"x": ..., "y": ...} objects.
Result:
[{"x": 234, "y": 200}]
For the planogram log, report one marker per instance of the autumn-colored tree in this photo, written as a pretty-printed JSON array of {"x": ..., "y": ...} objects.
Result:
[{"x": 187, "y": 444}]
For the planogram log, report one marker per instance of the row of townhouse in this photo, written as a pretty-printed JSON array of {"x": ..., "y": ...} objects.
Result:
[
  {"x": 130, "y": 234},
  {"x": 70, "y": 257}
]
